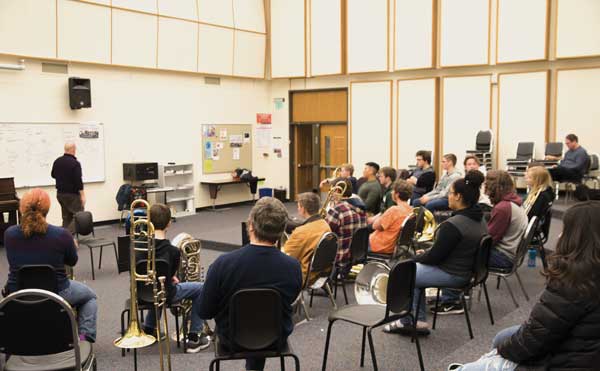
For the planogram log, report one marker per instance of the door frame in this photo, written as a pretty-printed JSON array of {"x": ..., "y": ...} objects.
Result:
[{"x": 291, "y": 134}]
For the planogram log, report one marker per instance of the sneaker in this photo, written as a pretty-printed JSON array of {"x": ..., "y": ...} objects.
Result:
[
  {"x": 454, "y": 366},
  {"x": 449, "y": 308},
  {"x": 197, "y": 342}
]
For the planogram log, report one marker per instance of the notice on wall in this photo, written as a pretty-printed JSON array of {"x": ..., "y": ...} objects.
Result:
[
  {"x": 246, "y": 137},
  {"x": 219, "y": 145},
  {"x": 235, "y": 140},
  {"x": 262, "y": 137},
  {"x": 263, "y": 118},
  {"x": 223, "y": 134},
  {"x": 208, "y": 150},
  {"x": 209, "y": 131},
  {"x": 236, "y": 153}
]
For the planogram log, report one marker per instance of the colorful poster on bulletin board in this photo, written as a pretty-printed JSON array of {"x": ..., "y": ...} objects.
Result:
[{"x": 226, "y": 147}]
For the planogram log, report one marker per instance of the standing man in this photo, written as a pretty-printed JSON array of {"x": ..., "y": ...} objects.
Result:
[
  {"x": 370, "y": 191},
  {"x": 69, "y": 185},
  {"x": 574, "y": 164}
]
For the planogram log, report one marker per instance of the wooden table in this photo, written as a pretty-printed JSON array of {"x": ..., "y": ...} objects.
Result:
[{"x": 214, "y": 186}]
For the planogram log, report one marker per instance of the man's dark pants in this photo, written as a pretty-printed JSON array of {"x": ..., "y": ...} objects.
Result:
[{"x": 70, "y": 203}]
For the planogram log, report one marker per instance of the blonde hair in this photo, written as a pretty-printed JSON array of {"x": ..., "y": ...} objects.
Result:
[
  {"x": 540, "y": 179},
  {"x": 34, "y": 206}
]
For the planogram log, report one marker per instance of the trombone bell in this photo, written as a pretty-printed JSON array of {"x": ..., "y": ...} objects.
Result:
[{"x": 134, "y": 338}]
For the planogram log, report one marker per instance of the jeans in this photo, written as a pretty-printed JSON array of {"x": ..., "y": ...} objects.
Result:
[
  {"x": 565, "y": 174},
  {"x": 84, "y": 300},
  {"x": 439, "y": 204},
  {"x": 431, "y": 276},
  {"x": 183, "y": 290},
  {"x": 499, "y": 260},
  {"x": 492, "y": 361}
]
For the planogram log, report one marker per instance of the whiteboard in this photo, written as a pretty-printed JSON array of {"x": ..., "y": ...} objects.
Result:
[{"x": 28, "y": 150}]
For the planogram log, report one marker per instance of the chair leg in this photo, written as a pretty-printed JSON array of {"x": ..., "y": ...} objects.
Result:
[
  {"x": 372, "y": 347},
  {"x": 304, "y": 307},
  {"x": 92, "y": 262},
  {"x": 498, "y": 283},
  {"x": 542, "y": 251},
  {"x": 325, "y": 353},
  {"x": 487, "y": 300},
  {"x": 218, "y": 365},
  {"x": 510, "y": 291},
  {"x": 416, "y": 340},
  {"x": 345, "y": 294},
  {"x": 296, "y": 362},
  {"x": 330, "y": 294},
  {"x": 522, "y": 287},
  {"x": 437, "y": 300},
  {"x": 312, "y": 292},
  {"x": 123, "y": 329},
  {"x": 464, "y": 303},
  {"x": 335, "y": 287},
  {"x": 282, "y": 362},
  {"x": 176, "y": 328},
  {"x": 116, "y": 254},
  {"x": 100, "y": 259},
  {"x": 415, "y": 318},
  {"x": 362, "y": 348}
]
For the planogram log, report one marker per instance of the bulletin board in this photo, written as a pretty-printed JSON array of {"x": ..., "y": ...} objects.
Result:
[{"x": 226, "y": 147}]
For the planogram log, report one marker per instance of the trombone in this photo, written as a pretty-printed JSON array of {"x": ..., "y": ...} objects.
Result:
[
  {"x": 335, "y": 192},
  {"x": 142, "y": 240}
]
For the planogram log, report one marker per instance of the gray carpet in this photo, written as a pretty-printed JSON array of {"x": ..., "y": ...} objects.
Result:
[{"x": 448, "y": 343}]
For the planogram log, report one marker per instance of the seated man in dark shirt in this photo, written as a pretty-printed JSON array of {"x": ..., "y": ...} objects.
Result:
[
  {"x": 574, "y": 164},
  {"x": 257, "y": 265},
  {"x": 423, "y": 177}
]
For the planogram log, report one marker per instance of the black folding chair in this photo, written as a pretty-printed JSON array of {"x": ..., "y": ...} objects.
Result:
[
  {"x": 255, "y": 329},
  {"x": 518, "y": 166},
  {"x": 399, "y": 300},
  {"x": 479, "y": 277},
  {"x": 484, "y": 146},
  {"x": 84, "y": 226},
  {"x": 358, "y": 254},
  {"x": 51, "y": 319},
  {"x": 542, "y": 232},
  {"x": 41, "y": 277},
  {"x": 524, "y": 244},
  {"x": 592, "y": 173}
]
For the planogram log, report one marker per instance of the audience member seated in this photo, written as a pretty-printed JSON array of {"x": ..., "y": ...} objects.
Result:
[
  {"x": 508, "y": 221},
  {"x": 563, "y": 328},
  {"x": 370, "y": 190},
  {"x": 257, "y": 265},
  {"x": 540, "y": 191},
  {"x": 574, "y": 164},
  {"x": 304, "y": 239},
  {"x": 387, "y": 226},
  {"x": 386, "y": 176},
  {"x": 346, "y": 172},
  {"x": 35, "y": 241},
  {"x": 344, "y": 219},
  {"x": 423, "y": 178},
  {"x": 471, "y": 163},
  {"x": 437, "y": 199},
  {"x": 449, "y": 263},
  {"x": 160, "y": 215}
]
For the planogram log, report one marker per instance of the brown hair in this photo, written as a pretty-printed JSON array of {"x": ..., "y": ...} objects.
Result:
[
  {"x": 471, "y": 157},
  {"x": 572, "y": 138},
  {"x": 389, "y": 172},
  {"x": 348, "y": 191},
  {"x": 451, "y": 157},
  {"x": 160, "y": 216},
  {"x": 348, "y": 167},
  {"x": 575, "y": 264},
  {"x": 402, "y": 189},
  {"x": 425, "y": 155},
  {"x": 268, "y": 218},
  {"x": 34, "y": 206},
  {"x": 498, "y": 183},
  {"x": 310, "y": 202}
]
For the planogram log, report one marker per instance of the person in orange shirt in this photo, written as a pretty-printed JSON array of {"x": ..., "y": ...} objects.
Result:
[
  {"x": 304, "y": 239},
  {"x": 388, "y": 225}
]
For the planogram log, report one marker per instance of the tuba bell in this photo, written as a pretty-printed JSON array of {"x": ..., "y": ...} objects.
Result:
[{"x": 370, "y": 286}]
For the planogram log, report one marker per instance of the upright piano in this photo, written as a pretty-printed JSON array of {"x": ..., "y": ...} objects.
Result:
[{"x": 9, "y": 204}]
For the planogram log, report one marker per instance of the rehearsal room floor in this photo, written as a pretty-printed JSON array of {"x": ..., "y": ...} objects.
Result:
[{"x": 448, "y": 343}]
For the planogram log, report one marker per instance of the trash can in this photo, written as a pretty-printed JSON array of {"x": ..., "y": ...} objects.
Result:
[
  {"x": 280, "y": 194},
  {"x": 265, "y": 192}
]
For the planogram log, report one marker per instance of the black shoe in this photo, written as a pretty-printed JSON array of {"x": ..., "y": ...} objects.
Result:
[
  {"x": 197, "y": 342},
  {"x": 449, "y": 308},
  {"x": 153, "y": 332}
]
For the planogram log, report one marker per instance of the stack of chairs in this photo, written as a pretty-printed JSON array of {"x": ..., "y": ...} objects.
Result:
[
  {"x": 518, "y": 166},
  {"x": 484, "y": 148},
  {"x": 552, "y": 149}
]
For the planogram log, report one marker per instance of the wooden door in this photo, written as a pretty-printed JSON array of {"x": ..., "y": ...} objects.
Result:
[
  {"x": 304, "y": 159},
  {"x": 333, "y": 148}
]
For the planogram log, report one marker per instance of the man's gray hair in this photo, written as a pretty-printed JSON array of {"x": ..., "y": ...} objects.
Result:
[{"x": 268, "y": 218}]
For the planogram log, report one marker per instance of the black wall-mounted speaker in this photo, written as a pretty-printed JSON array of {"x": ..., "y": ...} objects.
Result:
[{"x": 80, "y": 93}]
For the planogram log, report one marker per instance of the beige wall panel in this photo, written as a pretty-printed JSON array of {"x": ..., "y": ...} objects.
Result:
[
  {"x": 577, "y": 108},
  {"x": 102, "y": 2},
  {"x": 74, "y": 16},
  {"x": 522, "y": 113},
  {"x": 287, "y": 38},
  {"x": 464, "y": 32},
  {"x": 177, "y": 44},
  {"x": 466, "y": 110},
  {"x": 578, "y": 28},
  {"x": 149, "y": 6},
  {"x": 249, "y": 54},
  {"x": 249, "y": 15},
  {"x": 219, "y": 12},
  {"x": 325, "y": 37},
  {"x": 521, "y": 30},
  {"x": 416, "y": 119},
  {"x": 367, "y": 30},
  {"x": 26, "y": 29},
  {"x": 184, "y": 9},
  {"x": 370, "y": 123},
  {"x": 215, "y": 50},
  {"x": 133, "y": 39},
  {"x": 414, "y": 34}
]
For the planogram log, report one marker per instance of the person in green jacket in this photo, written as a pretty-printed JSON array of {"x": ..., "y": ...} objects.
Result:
[
  {"x": 386, "y": 176},
  {"x": 370, "y": 190}
]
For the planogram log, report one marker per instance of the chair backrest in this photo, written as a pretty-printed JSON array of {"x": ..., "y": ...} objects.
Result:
[
  {"x": 525, "y": 242},
  {"x": 420, "y": 222},
  {"x": 480, "y": 266},
  {"x": 593, "y": 162},
  {"x": 41, "y": 277},
  {"x": 359, "y": 245},
  {"x": 144, "y": 292},
  {"x": 84, "y": 223},
  {"x": 525, "y": 150},
  {"x": 255, "y": 319},
  {"x": 123, "y": 246},
  {"x": 554, "y": 149},
  {"x": 37, "y": 322},
  {"x": 407, "y": 233},
  {"x": 324, "y": 255},
  {"x": 483, "y": 140},
  {"x": 400, "y": 288},
  {"x": 543, "y": 228}
]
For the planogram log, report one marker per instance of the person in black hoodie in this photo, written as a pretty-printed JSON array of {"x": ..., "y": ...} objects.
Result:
[
  {"x": 541, "y": 194},
  {"x": 449, "y": 262},
  {"x": 160, "y": 215},
  {"x": 563, "y": 329}
]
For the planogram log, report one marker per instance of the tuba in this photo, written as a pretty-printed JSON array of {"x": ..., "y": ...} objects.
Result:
[
  {"x": 370, "y": 286},
  {"x": 429, "y": 227},
  {"x": 142, "y": 240},
  {"x": 335, "y": 192}
]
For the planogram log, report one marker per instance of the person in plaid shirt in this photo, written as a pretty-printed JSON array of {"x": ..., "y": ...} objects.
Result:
[{"x": 344, "y": 219}]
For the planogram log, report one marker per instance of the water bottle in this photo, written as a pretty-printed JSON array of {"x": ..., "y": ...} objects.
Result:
[{"x": 531, "y": 261}]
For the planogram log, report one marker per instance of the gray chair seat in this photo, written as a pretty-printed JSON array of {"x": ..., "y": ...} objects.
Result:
[
  {"x": 95, "y": 242},
  {"x": 364, "y": 315},
  {"x": 52, "y": 362}
]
